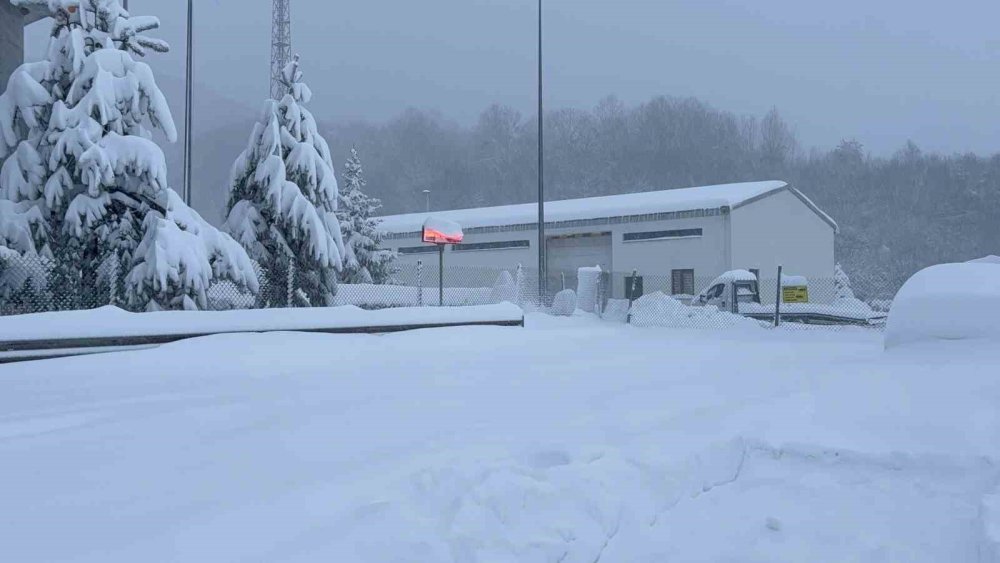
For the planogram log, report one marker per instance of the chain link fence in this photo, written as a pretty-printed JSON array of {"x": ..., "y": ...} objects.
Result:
[
  {"x": 742, "y": 298},
  {"x": 30, "y": 285}
]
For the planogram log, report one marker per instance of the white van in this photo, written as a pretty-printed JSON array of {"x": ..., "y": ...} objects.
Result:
[{"x": 729, "y": 289}]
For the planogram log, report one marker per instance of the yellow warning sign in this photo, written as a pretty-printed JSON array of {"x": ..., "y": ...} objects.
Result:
[{"x": 795, "y": 294}]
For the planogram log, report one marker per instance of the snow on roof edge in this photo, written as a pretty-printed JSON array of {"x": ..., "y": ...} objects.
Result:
[{"x": 598, "y": 207}]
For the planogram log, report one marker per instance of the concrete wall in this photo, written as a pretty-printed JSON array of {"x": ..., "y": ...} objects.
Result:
[
  {"x": 781, "y": 229},
  {"x": 11, "y": 41}
]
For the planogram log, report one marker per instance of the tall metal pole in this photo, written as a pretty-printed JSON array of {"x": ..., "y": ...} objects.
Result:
[
  {"x": 187, "y": 103},
  {"x": 427, "y": 200},
  {"x": 542, "y": 273}
]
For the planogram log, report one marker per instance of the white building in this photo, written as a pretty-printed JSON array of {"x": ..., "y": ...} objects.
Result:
[{"x": 678, "y": 239}]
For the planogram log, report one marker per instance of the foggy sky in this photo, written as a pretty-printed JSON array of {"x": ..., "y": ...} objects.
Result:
[{"x": 881, "y": 73}]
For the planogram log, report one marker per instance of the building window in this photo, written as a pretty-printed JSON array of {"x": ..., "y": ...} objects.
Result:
[
  {"x": 499, "y": 245},
  {"x": 661, "y": 235},
  {"x": 682, "y": 282},
  {"x": 417, "y": 249}
]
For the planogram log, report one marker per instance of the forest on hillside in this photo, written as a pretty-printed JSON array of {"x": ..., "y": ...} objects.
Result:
[{"x": 897, "y": 213}]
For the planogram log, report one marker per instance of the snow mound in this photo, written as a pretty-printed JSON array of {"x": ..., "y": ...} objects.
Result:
[
  {"x": 947, "y": 302},
  {"x": 991, "y": 259},
  {"x": 659, "y": 309},
  {"x": 587, "y": 284},
  {"x": 564, "y": 303}
]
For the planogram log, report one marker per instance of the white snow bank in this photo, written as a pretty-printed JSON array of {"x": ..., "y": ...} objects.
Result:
[
  {"x": 991, "y": 259},
  {"x": 111, "y": 321},
  {"x": 564, "y": 303},
  {"x": 660, "y": 309},
  {"x": 570, "y": 440},
  {"x": 947, "y": 302}
]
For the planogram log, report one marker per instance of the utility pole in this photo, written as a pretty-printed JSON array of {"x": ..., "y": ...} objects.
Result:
[
  {"x": 281, "y": 45},
  {"x": 187, "y": 103},
  {"x": 541, "y": 171},
  {"x": 427, "y": 197}
]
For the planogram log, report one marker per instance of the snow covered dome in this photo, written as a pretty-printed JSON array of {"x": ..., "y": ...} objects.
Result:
[{"x": 947, "y": 302}]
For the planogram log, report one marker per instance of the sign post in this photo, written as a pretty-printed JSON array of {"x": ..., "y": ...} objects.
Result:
[{"x": 441, "y": 232}]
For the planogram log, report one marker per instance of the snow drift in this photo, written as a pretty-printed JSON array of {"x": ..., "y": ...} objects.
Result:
[
  {"x": 659, "y": 309},
  {"x": 947, "y": 302}
]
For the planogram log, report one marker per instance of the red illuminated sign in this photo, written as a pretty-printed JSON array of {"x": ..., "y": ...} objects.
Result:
[{"x": 439, "y": 231}]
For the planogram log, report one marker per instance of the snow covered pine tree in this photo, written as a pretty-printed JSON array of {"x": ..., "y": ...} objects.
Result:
[
  {"x": 75, "y": 148},
  {"x": 365, "y": 261},
  {"x": 283, "y": 201}
]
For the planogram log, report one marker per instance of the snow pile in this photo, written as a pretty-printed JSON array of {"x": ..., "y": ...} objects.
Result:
[
  {"x": 659, "y": 309},
  {"x": 564, "y": 303},
  {"x": 588, "y": 282},
  {"x": 791, "y": 281},
  {"x": 947, "y": 302},
  {"x": 111, "y": 321},
  {"x": 991, "y": 259},
  {"x": 616, "y": 310}
]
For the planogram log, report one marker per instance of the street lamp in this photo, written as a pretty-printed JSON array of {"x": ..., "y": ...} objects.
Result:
[
  {"x": 187, "y": 104},
  {"x": 541, "y": 171},
  {"x": 427, "y": 198}
]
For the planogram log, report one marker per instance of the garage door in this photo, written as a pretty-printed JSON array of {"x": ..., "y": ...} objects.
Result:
[{"x": 567, "y": 254}]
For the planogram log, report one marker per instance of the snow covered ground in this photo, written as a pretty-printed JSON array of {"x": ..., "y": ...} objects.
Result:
[{"x": 570, "y": 440}]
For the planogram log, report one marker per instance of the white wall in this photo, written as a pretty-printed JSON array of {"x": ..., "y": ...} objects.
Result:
[
  {"x": 781, "y": 229},
  {"x": 507, "y": 258},
  {"x": 654, "y": 259},
  {"x": 657, "y": 258}
]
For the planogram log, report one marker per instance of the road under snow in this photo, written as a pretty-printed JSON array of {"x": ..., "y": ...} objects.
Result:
[{"x": 570, "y": 440}]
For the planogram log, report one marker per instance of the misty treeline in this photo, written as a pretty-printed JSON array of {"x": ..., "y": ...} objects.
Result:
[{"x": 896, "y": 214}]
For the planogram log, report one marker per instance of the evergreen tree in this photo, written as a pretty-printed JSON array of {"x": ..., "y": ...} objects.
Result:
[
  {"x": 75, "y": 147},
  {"x": 842, "y": 283},
  {"x": 283, "y": 199},
  {"x": 365, "y": 261}
]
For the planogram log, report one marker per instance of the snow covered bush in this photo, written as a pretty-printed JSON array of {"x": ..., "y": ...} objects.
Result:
[
  {"x": 283, "y": 199},
  {"x": 76, "y": 151},
  {"x": 947, "y": 302},
  {"x": 364, "y": 261},
  {"x": 564, "y": 303}
]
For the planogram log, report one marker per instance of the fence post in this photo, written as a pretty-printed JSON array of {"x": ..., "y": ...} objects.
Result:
[
  {"x": 777, "y": 301},
  {"x": 562, "y": 276},
  {"x": 519, "y": 282},
  {"x": 290, "y": 287},
  {"x": 113, "y": 285},
  {"x": 631, "y": 294},
  {"x": 420, "y": 283},
  {"x": 440, "y": 275}
]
